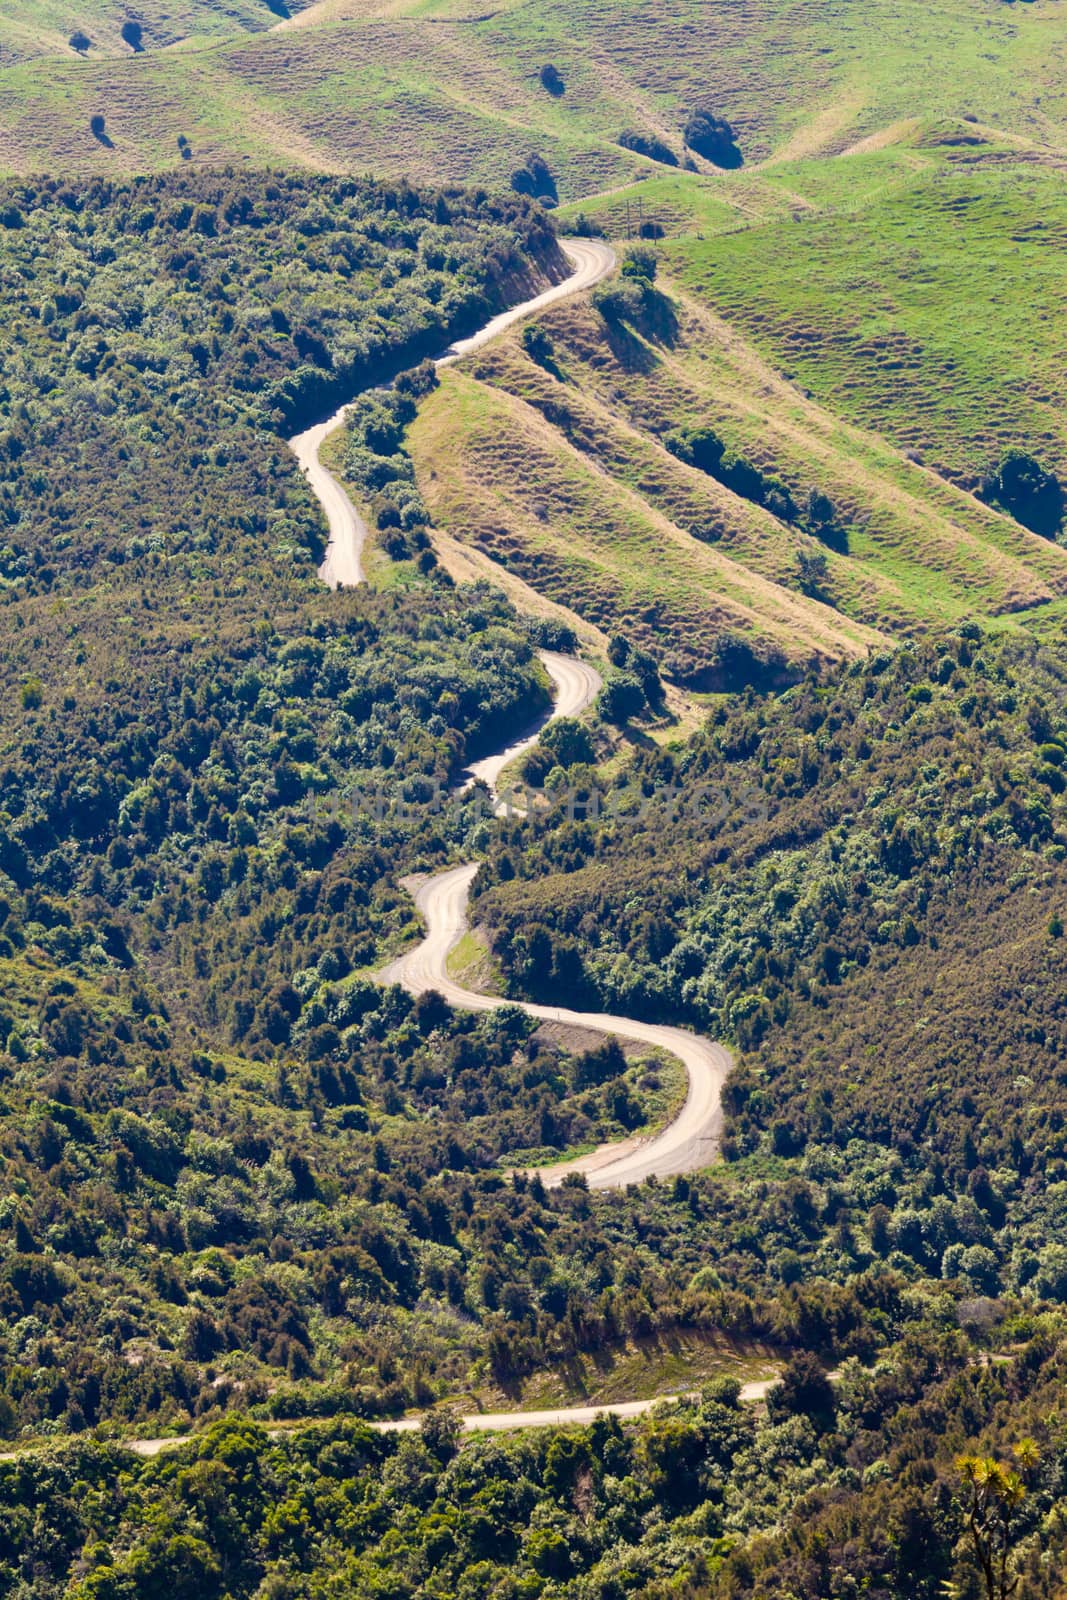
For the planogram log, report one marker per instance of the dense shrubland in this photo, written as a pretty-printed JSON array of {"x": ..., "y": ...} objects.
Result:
[
  {"x": 881, "y": 935},
  {"x": 241, "y": 1177},
  {"x": 158, "y": 334},
  {"x": 832, "y": 1493}
]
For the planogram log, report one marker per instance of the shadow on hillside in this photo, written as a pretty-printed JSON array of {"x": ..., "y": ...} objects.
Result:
[{"x": 658, "y": 323}]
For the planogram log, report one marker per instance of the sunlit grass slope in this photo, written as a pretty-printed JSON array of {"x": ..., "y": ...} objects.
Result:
[{"x": 449, "y": 89}]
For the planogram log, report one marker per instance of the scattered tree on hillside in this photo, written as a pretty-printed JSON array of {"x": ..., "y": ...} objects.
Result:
[
  {"x": 132, "y": 33},
  {"x": 640, "y": 262},
  {"x": 79, "y": 41},
  {"x": 992, "y": 1494},
  {"x": 647, "y": 144},
  {"x": 551, "y": 79},
  {"x": 536, "y": 180},
  {"x": 713, "y": 138},
  {"x": 1022, "y": 487},
  {"x": 811, "y": 572},
  {"x": 537, "y": 343}
]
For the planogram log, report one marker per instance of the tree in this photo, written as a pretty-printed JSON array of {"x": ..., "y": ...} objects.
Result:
[
  {"x": 79, "y": 41},
  {"x": 647, "y": 144},
  {"x": 713, "y": 138},
  {"x": 640, "y": 262},
  {"x": 535, "y": 179},
  {"x": 132, "y": 33},
  {"x": 538, "y": 344},
  {"x": 568, "y": 741},
  {"x": 991, "y": 1495},
  {"x": 441, "y": 1429},
  {"x": 805, "y": 1391},
  {"x": 811, "y": 571},
  {"x": 621, "y": 698},
  {"x": 551, "y": 80},
  {"x": 1022, "y": 487}
]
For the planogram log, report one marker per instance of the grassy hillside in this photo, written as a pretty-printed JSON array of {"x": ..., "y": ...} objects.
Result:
[
  {"x": 931, "y": 310},
  {"x": 446, "y": 91},
  {"x": 91, "y": 29},
  {"x": 556, "y": 453}
]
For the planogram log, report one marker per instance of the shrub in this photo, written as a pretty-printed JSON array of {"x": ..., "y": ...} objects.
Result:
[
  {"x": 713, "y": 138},
  {"x": 621, "y": 698},
  {"x": 640, "y": 262},
  {"x": 132, "y": 33},
  {"x": 1022, "y": 488},
  {"x": 647, "y": 144},
  {"x": 537, "y": 343},
  {"x": 535, "y": 179},
  {"x": 551, "y": 79},
  {"x": 79, "y": 41}
]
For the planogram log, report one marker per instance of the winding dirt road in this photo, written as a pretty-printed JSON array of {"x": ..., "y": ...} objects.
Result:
[
  {"x": 688, "y": 1143},
  {"x": 691, "y": 1141},
  {"x": 577, "y": 686},
  {"x": 342, "y": 567}
]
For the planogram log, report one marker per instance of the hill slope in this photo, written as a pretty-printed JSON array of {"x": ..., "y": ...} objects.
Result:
[{"x": 447, "y": 91}]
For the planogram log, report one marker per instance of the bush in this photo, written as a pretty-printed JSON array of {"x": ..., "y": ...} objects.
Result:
[
  {"x": 713, "y": 138},
  {"x": 640, "y": 262},
  {"x": 1022, "y": 488},
  {"x": 621, "y": 698},
  {"x": 132, "y": 33},
  {"x": 79, "y": 41},
  {"x": 804, "y": 1391},
  {"x": 551, "y": 79},
  {"x": 647, "y": 144},
  {"x": 583, "y": 227},
  {"x": 537, "y": 344},
  {"x": 535, "y": 179},
  {"x": 568, "y": 742}
]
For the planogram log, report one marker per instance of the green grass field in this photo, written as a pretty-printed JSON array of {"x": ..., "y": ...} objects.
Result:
[
  {"x": 934, "y": 312},
  {"x": 441, "y": 90},
  {"x": 562, "y": 475}
]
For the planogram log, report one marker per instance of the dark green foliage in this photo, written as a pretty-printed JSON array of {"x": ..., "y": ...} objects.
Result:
[
  {"x": 1023, "y": 488},
  {"x": 80, "y": 41},
  {"x": 871, "y": 927},
  {"x": 648, "y": 144},
  {"x": 378, "y": 464},
  {"x": 640, "y": 262},
  {"x": 535, "y": 179},
  {"x": 621, "y": 698},
  {"x": 552, "y": 80},
  {"x": 567, "y": 742},
  {"x": 213, "y": 772},
  {"x": 537, "y": 342},
  {"x": 132, "y": 33},
  {"x": 713, "y": 138},
  {"x": 704, "y": 449},
  {"x": 704, "y": 1499}
]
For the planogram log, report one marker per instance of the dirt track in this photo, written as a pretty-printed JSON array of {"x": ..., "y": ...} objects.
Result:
[
  {"x": 688, "y": 1143},
  {"x": 343, "y": 567}
]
